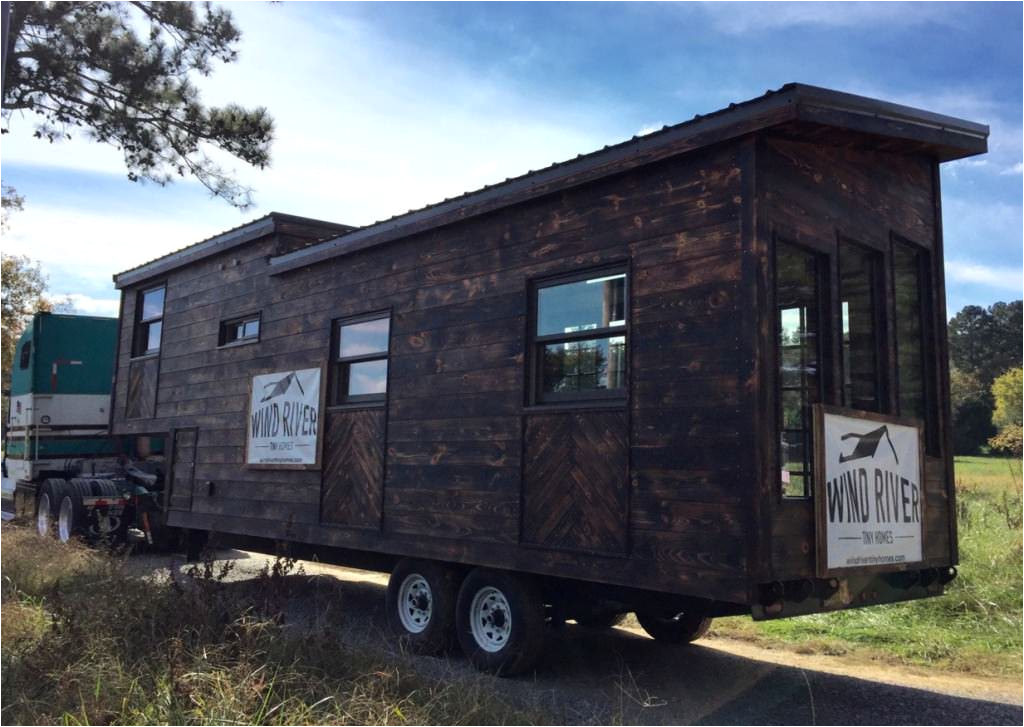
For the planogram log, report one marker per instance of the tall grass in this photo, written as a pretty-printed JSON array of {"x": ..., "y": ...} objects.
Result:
[
  {"x": 84, "y": 641},
  {"x": 974, "y": 628}
]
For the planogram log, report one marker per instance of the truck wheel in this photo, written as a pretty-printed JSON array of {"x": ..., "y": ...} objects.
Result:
[
  {"x": 50, "y": 492},
  {"x": 500, "y": 621},
  {"x": 601, "y": 621},
  {"x": 421, "y": 605},
  {"x": 69, "y": 517},
  {"x": 678, "y": 628}
]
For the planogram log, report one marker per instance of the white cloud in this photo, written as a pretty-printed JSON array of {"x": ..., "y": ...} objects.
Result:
[
  {"x": 1003, "y": 278},
  {"x": 650, "y": 129},
  {"x": 1017, "y": 168},
  {"x": 87, "y": 305}
]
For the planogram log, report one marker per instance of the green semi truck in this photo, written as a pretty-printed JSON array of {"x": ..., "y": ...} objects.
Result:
[{"x": 62, "y": 467}]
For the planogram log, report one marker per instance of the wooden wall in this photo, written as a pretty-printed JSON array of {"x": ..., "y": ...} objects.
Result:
[
  {"x": 656, "y": 492},
  {"x": 813, "y": 194}
]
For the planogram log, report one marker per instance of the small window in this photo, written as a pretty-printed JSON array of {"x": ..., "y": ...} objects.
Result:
[
  {"x": 26, "y": 355},
  {"x": 361, "y": 359},
  {"x": 859, "y": 292},
  {"x": 240, "y": 330},
  {"x": 579, "y": 338},
  {"x": 149, "y": 322},
  {"x": 797, "y": 326}
]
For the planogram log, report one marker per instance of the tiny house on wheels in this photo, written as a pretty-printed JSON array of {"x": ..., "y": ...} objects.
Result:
[{"x": 698, "y": 373}]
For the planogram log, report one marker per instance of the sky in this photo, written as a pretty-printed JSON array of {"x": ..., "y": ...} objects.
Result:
[{"x": 381, "y": 108}]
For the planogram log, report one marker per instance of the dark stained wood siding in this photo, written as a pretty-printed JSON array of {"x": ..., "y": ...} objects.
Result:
[
  {"x": 183, "y": 467},
  {"x": 353, "y": 473},
  {"x": 815, "y": 194}
]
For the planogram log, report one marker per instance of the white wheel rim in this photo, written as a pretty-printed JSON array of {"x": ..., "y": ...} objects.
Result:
[
  {"x": 490, "y": 619},
  {"x": 64, "y": 520},
  {"x": 43, "y": 516},
  {"x": 415, "y": 603}
]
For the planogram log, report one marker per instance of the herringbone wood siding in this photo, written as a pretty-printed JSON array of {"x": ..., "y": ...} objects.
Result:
[
  {"x": 353, "y": 474},
  {"x": 142, "y": 383},
  {"x": 575, "y": 480}
]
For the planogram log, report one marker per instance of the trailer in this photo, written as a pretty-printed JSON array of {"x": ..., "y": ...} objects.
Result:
[
  {"x": 699, "y": 373},
  {"x": 68, "y": 472}
]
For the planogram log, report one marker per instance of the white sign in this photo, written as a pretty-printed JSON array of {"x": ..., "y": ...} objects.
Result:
[
  {"x": 872, "y": 495},
  {"x": 284, "y": 418}
]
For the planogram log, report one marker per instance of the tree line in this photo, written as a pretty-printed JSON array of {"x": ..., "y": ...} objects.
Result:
[{"x": 985, "y": 378}]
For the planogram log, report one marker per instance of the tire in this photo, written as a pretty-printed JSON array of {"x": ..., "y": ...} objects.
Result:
[
  {"x": 500, "y": 621},
  {"x": 47, "y": 504},
  {"x": 601, "y": 621},
  {"x": 669, "y": 628},
  {"x": 70, "y": 516},
  {"x": 420, "y": 604}
]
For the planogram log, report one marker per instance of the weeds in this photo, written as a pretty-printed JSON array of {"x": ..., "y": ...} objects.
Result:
[{"x": 86, "y": 642}]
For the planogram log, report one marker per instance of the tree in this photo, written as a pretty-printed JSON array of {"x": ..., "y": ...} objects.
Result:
[
  {"x": 88, "y": 66},
  {"x": 971, "y": 403},
  {"x": 986, "y": 342},
  {"x": 12, "y": 201},
  {"x": 1007, "y": 392},
  {"x": 23, "y": 294}
]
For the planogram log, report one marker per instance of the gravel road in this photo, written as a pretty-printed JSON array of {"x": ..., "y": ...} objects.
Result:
[{"x": 623, "y": 676}]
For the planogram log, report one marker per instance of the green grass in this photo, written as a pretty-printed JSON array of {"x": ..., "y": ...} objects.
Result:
[
  {"x": 86, "y": 642},
  {"x": 975, "y": 628}
]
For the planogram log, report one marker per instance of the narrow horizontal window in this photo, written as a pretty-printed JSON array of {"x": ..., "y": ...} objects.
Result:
[
  {"x": 579, "y": 337},
  {"x": 360, "y": 361},
  {"x": 240, "y": 329}
]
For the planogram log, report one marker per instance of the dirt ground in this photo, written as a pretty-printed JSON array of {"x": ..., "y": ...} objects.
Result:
[{"x": 623, "y": 676}]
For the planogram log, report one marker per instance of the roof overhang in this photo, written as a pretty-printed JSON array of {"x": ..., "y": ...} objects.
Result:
[
  {"x": 227, "y": 240},
  {"x": 920, "y": 132}
]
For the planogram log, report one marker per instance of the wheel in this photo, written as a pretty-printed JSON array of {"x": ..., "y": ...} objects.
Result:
[
  {"x": 673, "y": 628},
  {"x": 69, "y": 517},
  {"x": 500, "y": 621},
  {"x": 50, "y": 492},
  {"x": 420, "y": 605},
  {"x": 601, "y": 621}
]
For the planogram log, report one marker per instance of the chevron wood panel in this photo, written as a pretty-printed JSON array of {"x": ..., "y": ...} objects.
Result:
[
  {"x": 575, "y": 479},
  {"x": 142, "y": 382},
  {"x": 353, "y": 474}
]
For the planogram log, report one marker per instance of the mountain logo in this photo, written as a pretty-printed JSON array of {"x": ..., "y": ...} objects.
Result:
[
  {"x": 280, "y": 387},
  {"x": 867, "y": 444}
]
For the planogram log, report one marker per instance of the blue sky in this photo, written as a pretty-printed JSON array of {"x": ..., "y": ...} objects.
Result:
[{"x": 380, "y": 108}]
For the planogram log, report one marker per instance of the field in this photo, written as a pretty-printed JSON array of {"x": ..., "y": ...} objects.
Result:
[{"x": 975, "y": 628}]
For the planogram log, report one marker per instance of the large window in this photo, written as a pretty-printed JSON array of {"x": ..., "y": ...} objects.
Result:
[
  {"x": 798, "y": 326},
  {"x": 26, "y": 355},
  {"x": 910, "y": 276},
  {"x": 149, "y": 322},
  {"x": 579, "y": 337},
  {"x": 361, "y": 359},
  {"x": 859, "y": 293}
]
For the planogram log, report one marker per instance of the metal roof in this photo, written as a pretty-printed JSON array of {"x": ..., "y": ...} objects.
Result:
[
  {"x": 220, "y": 242},
  {"x": 945, "y": 137}
]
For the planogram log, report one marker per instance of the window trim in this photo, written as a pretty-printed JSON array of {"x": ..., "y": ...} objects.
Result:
[
  {"x": 340, "y": 365},
  {"x": 140, "y": 322},
  {"x": 244, "y": 341},
  {"x": 535, "y": 343}
]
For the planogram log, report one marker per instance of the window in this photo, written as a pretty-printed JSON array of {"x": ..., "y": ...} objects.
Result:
[
  {"x": 240, "y": 330},
  {"x": 859, "y": 288},
  {"x": 579, "y": 337},
  {"x": 797, "y": 325},
  {"x": 149, "y": 322},
  {"x": 361, "y": 359},
  {"x": 26, "y": 355},
  {"x": 910, "y": 276}
]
